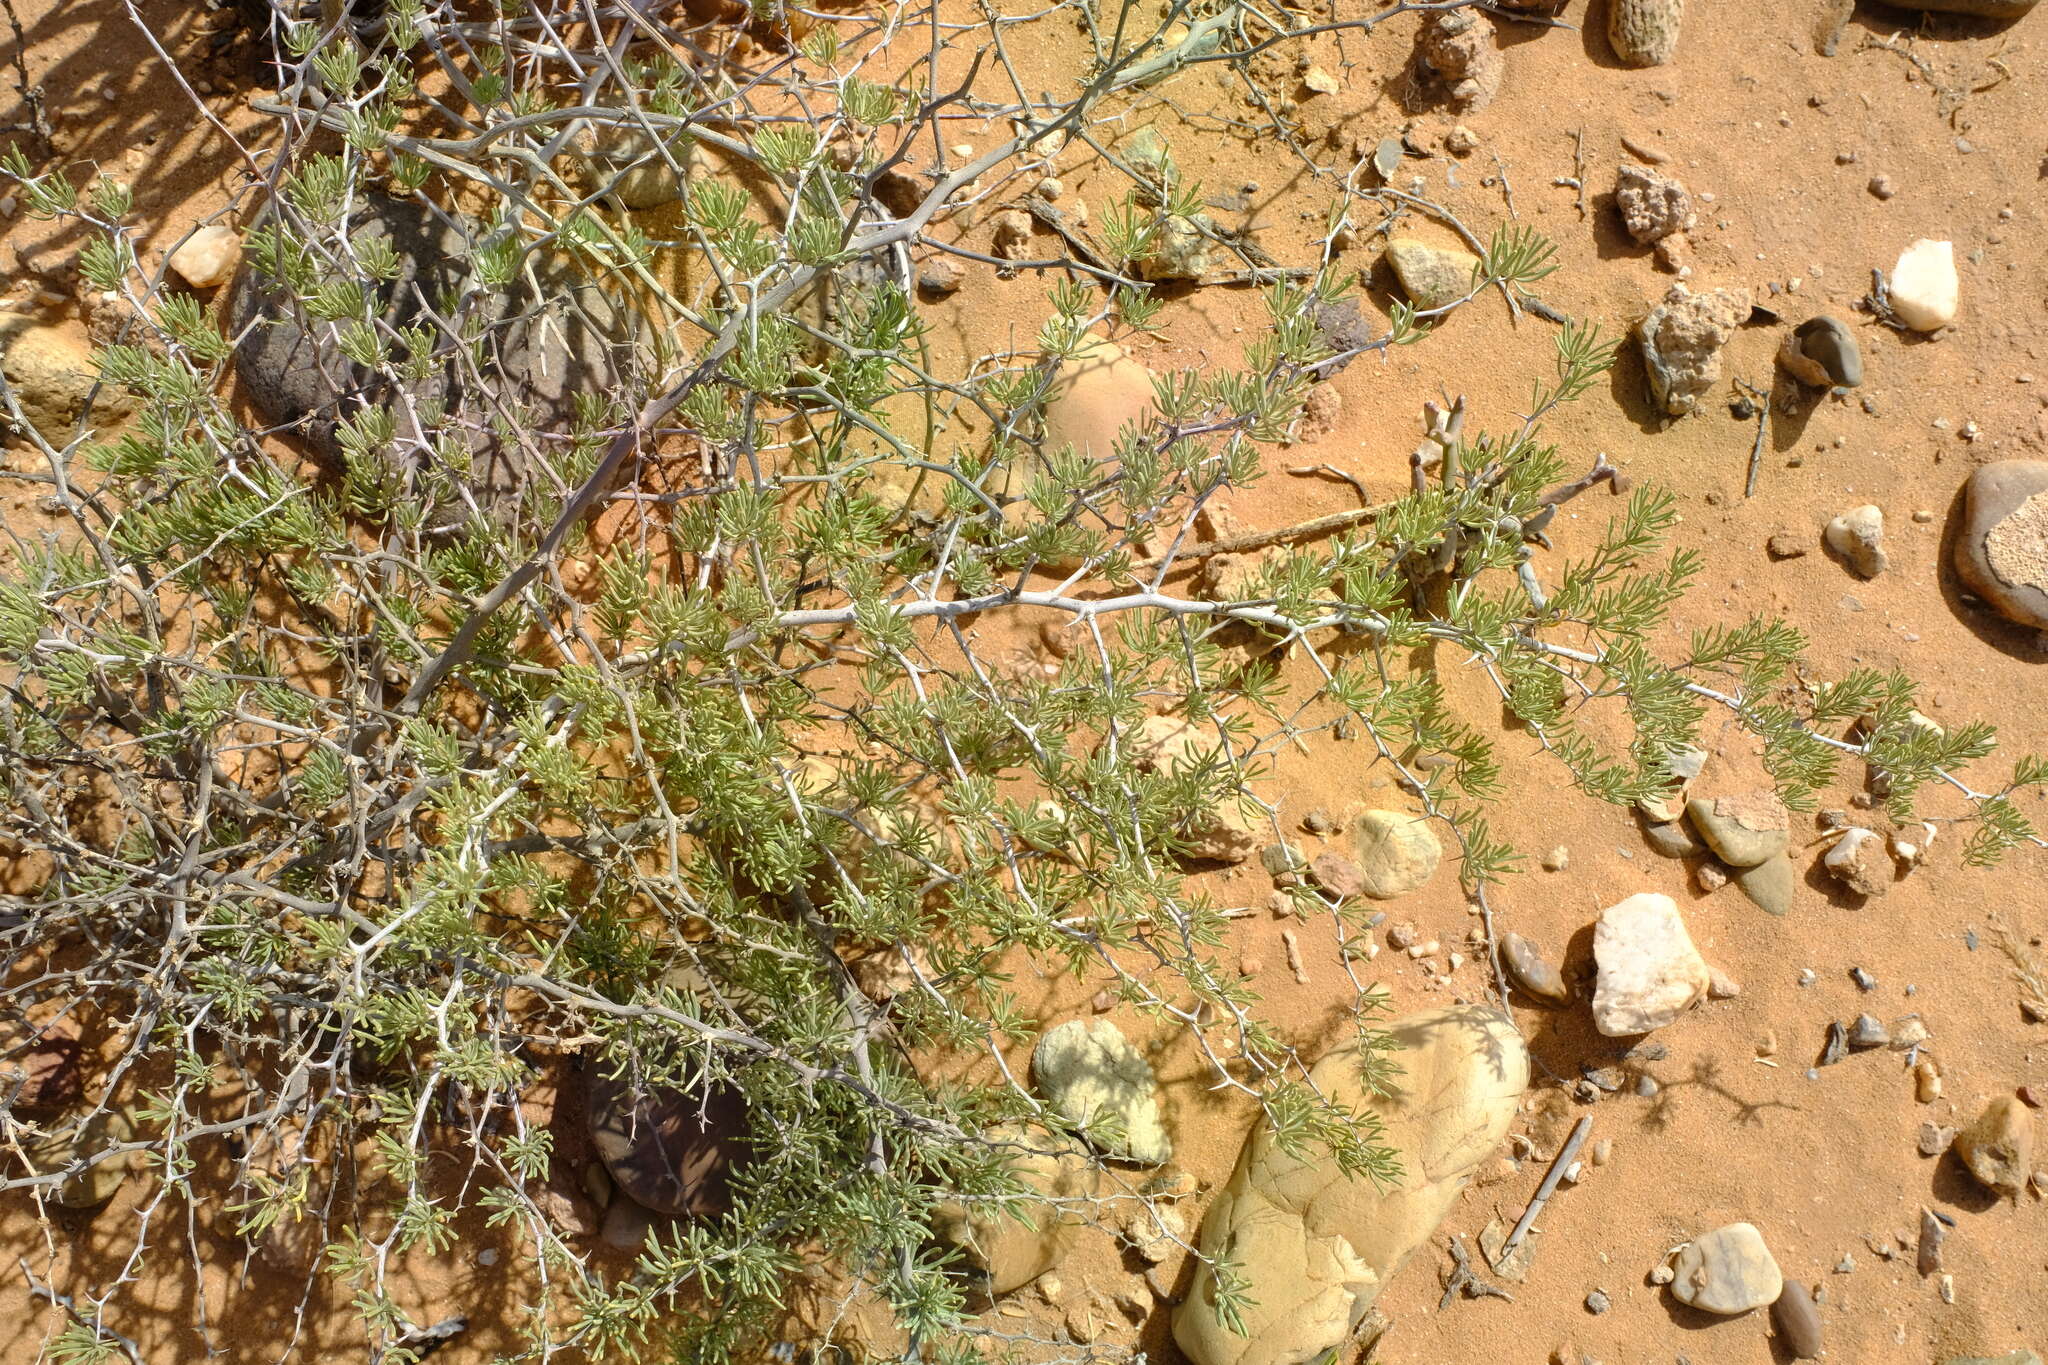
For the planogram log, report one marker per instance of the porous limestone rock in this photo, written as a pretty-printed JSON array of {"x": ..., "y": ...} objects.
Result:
[
  {"x": 72, "y": 1142},
  {"x": 1649, "y": 970},
  {"x": 51, "y": 372},
  {"x": 1860, "y": 862},
  {"x": 1098, "y": 1081},
  {"x": 1457, "y": 58},
  {"x": 2002, "y": 544},
  {"x": 1644, "y": 32},
  {"x": 1652, "y": 206},
  {"x": 1682, "y": 340},
  {"x": 1858, "y": 536},
  {"x": 1315, "y": 1246}
]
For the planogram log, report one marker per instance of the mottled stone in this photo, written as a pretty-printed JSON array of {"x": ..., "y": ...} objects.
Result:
[
  {"x": 1316, "y": 1246},
  {"x": 1527, "y": 969},
  {"x": 1770, "y": 885},
  {"x": 1097, "y": 1080},
  {"x": 1743, "y": 829},
  {"x": 1998, "y": 1148},
  {"x": 1727, "y": 1271},
  {"x": 1396, "y": 852},
  {"x": 1431, "y": 276}
]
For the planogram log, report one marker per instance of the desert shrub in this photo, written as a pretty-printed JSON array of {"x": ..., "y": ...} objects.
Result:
[{"x": 601, "y": 666}]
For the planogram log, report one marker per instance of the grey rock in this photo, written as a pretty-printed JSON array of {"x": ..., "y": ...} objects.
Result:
[
  {"x": 1727, "y": 1271},
  {"x": 1673, "y": 839},
  {"x": 1743, "y": 829},
  {"x": 1608, "y": 1078},
  {"x": 626, "y": 1225},
  {"x": 1863, "y": 979},
  {"x": 543, "y": 351},
  {"x": 1647, "y": 1086},
  {"x": 1770, "y": 885},
  {"x": 1837, "y": 1045},
  {"x": 1597, "y": 1302},
  {"x": 1527, "y": 969},
  {"x": 1867, "y": 1032},
  {"x": 1931, "y": 1235},
  {"x": 1934, "y": 1139},
  {"x": 2001, "y": 547},
  {"x": 1092, "y": 1074},
  {"x": 1798, "y": 1321},
  {"x": 2020, "y": 1357},
  {"x": 1822, "y": 351}
]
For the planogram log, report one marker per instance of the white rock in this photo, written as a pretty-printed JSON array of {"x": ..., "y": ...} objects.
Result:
[
  {"x": 207, "y": 258},
  {"x": 1858, "y": 536},
  {"x": 1924, "y": 288},
  {"x": 1859, "y": 862},
  {"x": 1649, "y": 971}
]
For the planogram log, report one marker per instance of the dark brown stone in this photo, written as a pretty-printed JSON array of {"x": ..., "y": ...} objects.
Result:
[{"x": 669, "y": 1150}]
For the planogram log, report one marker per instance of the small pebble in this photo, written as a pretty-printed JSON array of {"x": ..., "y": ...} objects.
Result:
[
  {"x": 1558, "y": 859},
  {"x": 1867, "y": 1032},
  {"x": 1597, "y": 1302},
  {"x": 1797, "y": 1321},
  {"x": 1864, "y": 980},
  {"x": 1882, "y": 187},
  {"x": 1603, "y": 1151},
  {"x": 1663, "y": 1274}
]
